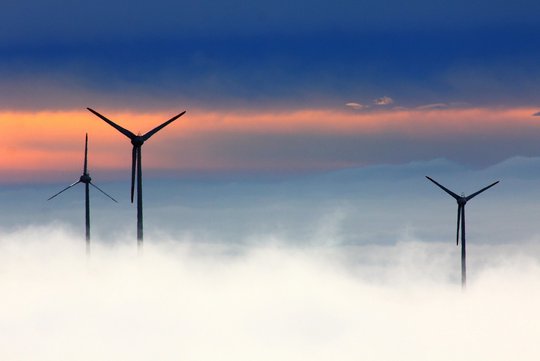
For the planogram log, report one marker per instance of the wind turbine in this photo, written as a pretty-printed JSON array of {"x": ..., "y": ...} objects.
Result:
[
  {"x": 85, "y": 178},
  {"x": 461, "y": 201},
  {"x": 137, "y": 141}
]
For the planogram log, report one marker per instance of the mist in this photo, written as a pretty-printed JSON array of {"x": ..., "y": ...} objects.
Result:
[
  {"x": 183, "y": 300},
  {"x": 347, "y": 265},
  {"x": 369, "y": 205}
]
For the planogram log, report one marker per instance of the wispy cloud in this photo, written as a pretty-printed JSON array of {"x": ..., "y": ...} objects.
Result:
[
  {"x": 356, "y": 106},
  {"x": 383, "y": 101},
  {"x": 433, "y": 106}
]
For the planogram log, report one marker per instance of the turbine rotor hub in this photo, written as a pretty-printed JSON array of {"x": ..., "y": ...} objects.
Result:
[
  {"x": 137, "y": 141},
  {"x": 85, "y": 178}
]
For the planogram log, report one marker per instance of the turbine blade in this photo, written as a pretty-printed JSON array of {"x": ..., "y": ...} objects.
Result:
[
  {"x": 124, "y": 131},
  {"x": 458, "y": 221},
  {"x": 133, "y": 170},
  {"x": 444, "y": 188},
  {"x": 102, "y": 191},
  {"x": 85, "y": 170},
  {"x": 481, "y": 190},
  {"x": 158, "y": 128},
  {"x": 65, "y": 189}
]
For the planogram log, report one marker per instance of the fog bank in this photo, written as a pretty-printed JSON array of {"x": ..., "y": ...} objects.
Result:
[{"x": 265, "y": 301}]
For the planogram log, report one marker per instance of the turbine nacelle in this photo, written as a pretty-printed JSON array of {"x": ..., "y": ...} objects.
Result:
[
  {"x": 85, "y": 178},
  {"x": 137, "y": 140}
]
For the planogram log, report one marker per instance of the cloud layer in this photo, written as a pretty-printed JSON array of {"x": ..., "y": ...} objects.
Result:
[
  {"x": 105, "y": 19},
  {"x": 335, "y": 266},
  {"x": 270, "y": 302},
  {"x": 264, "y": 56},
  {"x": 369, "y": 205}
]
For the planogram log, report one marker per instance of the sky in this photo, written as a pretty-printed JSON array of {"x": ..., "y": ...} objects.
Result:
[
  {"x": 267, "y": 54},
  {"x": 268, "y": 87},
  {"x": 287, "y": 214}
]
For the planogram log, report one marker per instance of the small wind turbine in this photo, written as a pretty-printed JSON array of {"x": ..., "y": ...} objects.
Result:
[
  {"x": 137, "y": 141},
  {"x": 461, "y": 201},
  {"x": 85, "y": 178}
]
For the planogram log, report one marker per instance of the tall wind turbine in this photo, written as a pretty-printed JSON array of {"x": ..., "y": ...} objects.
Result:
[
  {"x": 137, "y": 141},
  {"x": 87, "y": 181},
  {"x": 461, "y": 201}
]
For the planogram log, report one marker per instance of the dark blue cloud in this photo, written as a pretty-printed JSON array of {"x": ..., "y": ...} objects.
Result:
[
  {"x": 99, "y": 19},
  {"x": 259, "y": 53}
]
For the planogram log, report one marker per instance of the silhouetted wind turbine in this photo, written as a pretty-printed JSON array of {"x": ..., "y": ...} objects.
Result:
[
  {"x": 85, "y": 178},
  {"x": 461, "y": 201},
  {"x": 137, "y": 141}
]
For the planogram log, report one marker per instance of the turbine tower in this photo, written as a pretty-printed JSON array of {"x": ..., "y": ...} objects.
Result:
[
  {"x": 137, "y": 141},
  {"x": 461, "y": 201},
  {"x": 85, "y": 178}
]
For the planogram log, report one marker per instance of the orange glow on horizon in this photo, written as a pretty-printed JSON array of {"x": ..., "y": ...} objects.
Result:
[{"x": 44, "y": 141}]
